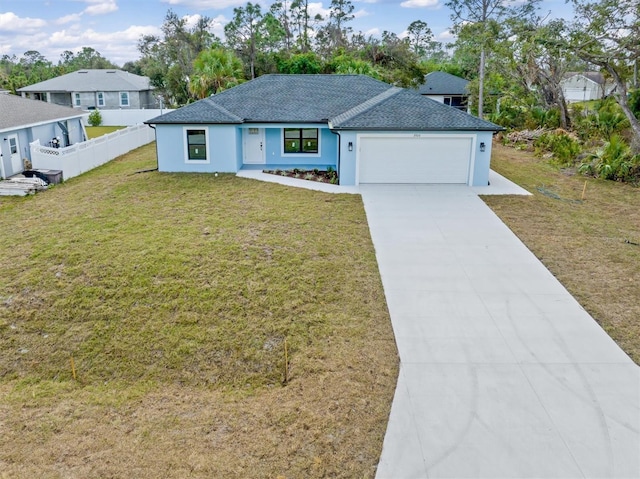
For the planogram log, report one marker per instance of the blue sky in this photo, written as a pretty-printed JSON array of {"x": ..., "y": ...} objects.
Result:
[{"x": 113, "y": 27}]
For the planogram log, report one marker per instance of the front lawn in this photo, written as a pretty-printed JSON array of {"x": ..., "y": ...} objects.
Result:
[
  {"x": 96, "y": 131},
  {"x": 591, "y": 245},
  {"x": 145, "y": 320}
]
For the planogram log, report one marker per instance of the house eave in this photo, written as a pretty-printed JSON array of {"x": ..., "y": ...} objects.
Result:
[
  {"x": 340, "y": 128},
  {"x": 44, "y": 122}
]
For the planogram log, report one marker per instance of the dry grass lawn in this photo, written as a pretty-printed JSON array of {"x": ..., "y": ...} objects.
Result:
[
  {"x": 592, "y": 246},
  {"x": 170, "y": 298}
]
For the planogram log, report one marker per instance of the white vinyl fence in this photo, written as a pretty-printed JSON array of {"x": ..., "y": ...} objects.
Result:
[
  {"x": 129, "y": 117},
  {"x": 81, "y": 157}
]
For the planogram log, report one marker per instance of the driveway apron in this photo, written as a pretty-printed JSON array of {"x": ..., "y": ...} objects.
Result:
[{"x": 502, "y": 373}]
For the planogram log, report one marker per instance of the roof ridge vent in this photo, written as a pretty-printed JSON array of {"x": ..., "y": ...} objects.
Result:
[{"x": 362, "y": 107}]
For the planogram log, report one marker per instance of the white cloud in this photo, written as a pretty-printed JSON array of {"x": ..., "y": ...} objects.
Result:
[
  {"x": 10, "y": 22},
  {"x": 206, "y": 4},
  {"x": 445, "y": 36},
  {"x": 217, "y": 25},
  {"x": 361, "y": 13},
  {"x": 419, "y": 3},
  {"x": 373, "y": 32},
  {"x": 316, "y": 8},
  {"x": 100, "y": 7},
  {"x": 72, "y": 18}
]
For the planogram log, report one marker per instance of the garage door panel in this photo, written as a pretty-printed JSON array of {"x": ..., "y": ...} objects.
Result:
[{"x": 414, "y": 159}]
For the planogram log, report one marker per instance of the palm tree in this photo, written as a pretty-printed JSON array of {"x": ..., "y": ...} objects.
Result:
[{"x": 215, "y": 70}]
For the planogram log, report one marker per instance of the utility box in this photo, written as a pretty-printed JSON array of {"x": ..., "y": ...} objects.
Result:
[{"x": 54, "y": 177}]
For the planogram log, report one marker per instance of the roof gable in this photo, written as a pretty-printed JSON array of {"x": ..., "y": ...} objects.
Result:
[
  {"x": 406, "y": 110},
  {"x": 342, "y": 101},
  {"x": 92, "y": 80},
  {"x": 16, "y": 112},
  {"x": 442, "y": 83}
]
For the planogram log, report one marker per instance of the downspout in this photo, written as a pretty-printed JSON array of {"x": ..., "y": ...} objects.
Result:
[
  {"x": 155, "y": 133},
  {"x": 339, "y": 151}
]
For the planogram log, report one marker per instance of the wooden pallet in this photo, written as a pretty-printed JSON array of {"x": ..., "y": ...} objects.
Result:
[{"x": 20, "y": 186}]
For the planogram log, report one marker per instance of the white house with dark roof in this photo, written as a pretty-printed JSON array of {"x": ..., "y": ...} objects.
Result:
[
  {"x": 91, "y": 89},
  {"x": 369, "y": 131},
  {"x": 585, "y": 86},
  {"x": 446, "y": 88},
  {"x": 23, "y": 121}
]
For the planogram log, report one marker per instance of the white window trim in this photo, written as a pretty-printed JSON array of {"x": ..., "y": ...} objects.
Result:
[
  {"x": 186, "y": 145},
  {"x": 77, "y": 99},
  {"x": 301, "y": 155},
  {"x": 98, "y": 99},
  {"x": 128, "y": 98}
]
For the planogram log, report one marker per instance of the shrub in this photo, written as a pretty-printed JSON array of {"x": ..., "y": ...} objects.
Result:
[
  {"x": 564, "y": 148},
  {"x": 613, "y": 161},
  {"x": 95, "y": 118}
]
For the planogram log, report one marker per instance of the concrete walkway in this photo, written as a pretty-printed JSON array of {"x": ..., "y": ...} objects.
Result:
[{"x": 503, "y": 374}]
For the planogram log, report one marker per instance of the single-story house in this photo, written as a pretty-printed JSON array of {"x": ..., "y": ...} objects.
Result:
[
  {"x": 585, "y": 86},
  {"x": 22, "y": 121},
  {"x": 446, "y": 88},
  {"x": 367, "y": 130},
  {"x": 95, "y": 89}
]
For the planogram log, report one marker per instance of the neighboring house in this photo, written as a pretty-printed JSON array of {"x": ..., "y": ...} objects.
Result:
[
  {"x": 90, "y": 89},
  {"x": 585, "y": 86},
  {"x": 23, "y": 121},
  {"x": 446, "y": 88},
  {"x": 369, "y": 131}
]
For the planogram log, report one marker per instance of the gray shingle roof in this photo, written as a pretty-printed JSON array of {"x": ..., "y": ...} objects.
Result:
[
  {"x": 92, "y": 80},
  {"x": 441, "y": 83},
  {"x": 595, "y": 77},
  {"x": 342, "y": 101},
  {"x": 407, "y": 111},
  {"x": 16, "y": 112}
]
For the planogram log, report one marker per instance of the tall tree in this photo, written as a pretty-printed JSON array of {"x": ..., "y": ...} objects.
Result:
[
  {"x": 607, "y": 34},
  {"x": 421, "y": 38},
  {"x": 303, "y": 22},
  {"x": 86, "y": 58},
  {"x": 244, "y": 34},
  {"x": 335, "y": 34},
  {"x": 168, "y": 60},
  {"x": 482, "y": 13}
]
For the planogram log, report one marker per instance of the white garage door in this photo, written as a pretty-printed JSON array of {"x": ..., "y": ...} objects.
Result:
[{"x": 410, "y": 159}]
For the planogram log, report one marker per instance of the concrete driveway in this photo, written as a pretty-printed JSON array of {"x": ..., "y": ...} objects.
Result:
[{"x": 503, "y": 374}]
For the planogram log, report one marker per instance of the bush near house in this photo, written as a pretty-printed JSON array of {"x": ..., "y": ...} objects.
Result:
[{"x": 95, "y": 118}]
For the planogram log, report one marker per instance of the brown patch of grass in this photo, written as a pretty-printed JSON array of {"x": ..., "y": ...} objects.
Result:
[
  {"x": 173, "y": 294},
  {"x": 587, "y": 245}
]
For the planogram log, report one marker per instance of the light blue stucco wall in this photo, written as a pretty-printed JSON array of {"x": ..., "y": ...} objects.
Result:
[
  {"x": 225, "y": 148},
  {"x": 225, "y": 145},
  {"x": 275, "y": 157},
  {"x": 347, "y": 167},
  {"x": 483, "y": 159},
  {"x": 222, "y": 146}
]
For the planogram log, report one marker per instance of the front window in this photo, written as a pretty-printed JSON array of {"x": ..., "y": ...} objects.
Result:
[
  {"x": 13, "y": 145},
  {"x": 76, "y": 99},
  {"x": 100, "y": 99},
  {"x": 124, "y": 98},
  {"x": 301, "y": 140},
  {"x": 196, "y": 145}
]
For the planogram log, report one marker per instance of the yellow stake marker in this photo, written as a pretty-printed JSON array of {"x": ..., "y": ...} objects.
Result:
[
  {"x": 286, "y": 362},
  {"x": 584, "y": 190},
  {"x": 73, "y": 367}
]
